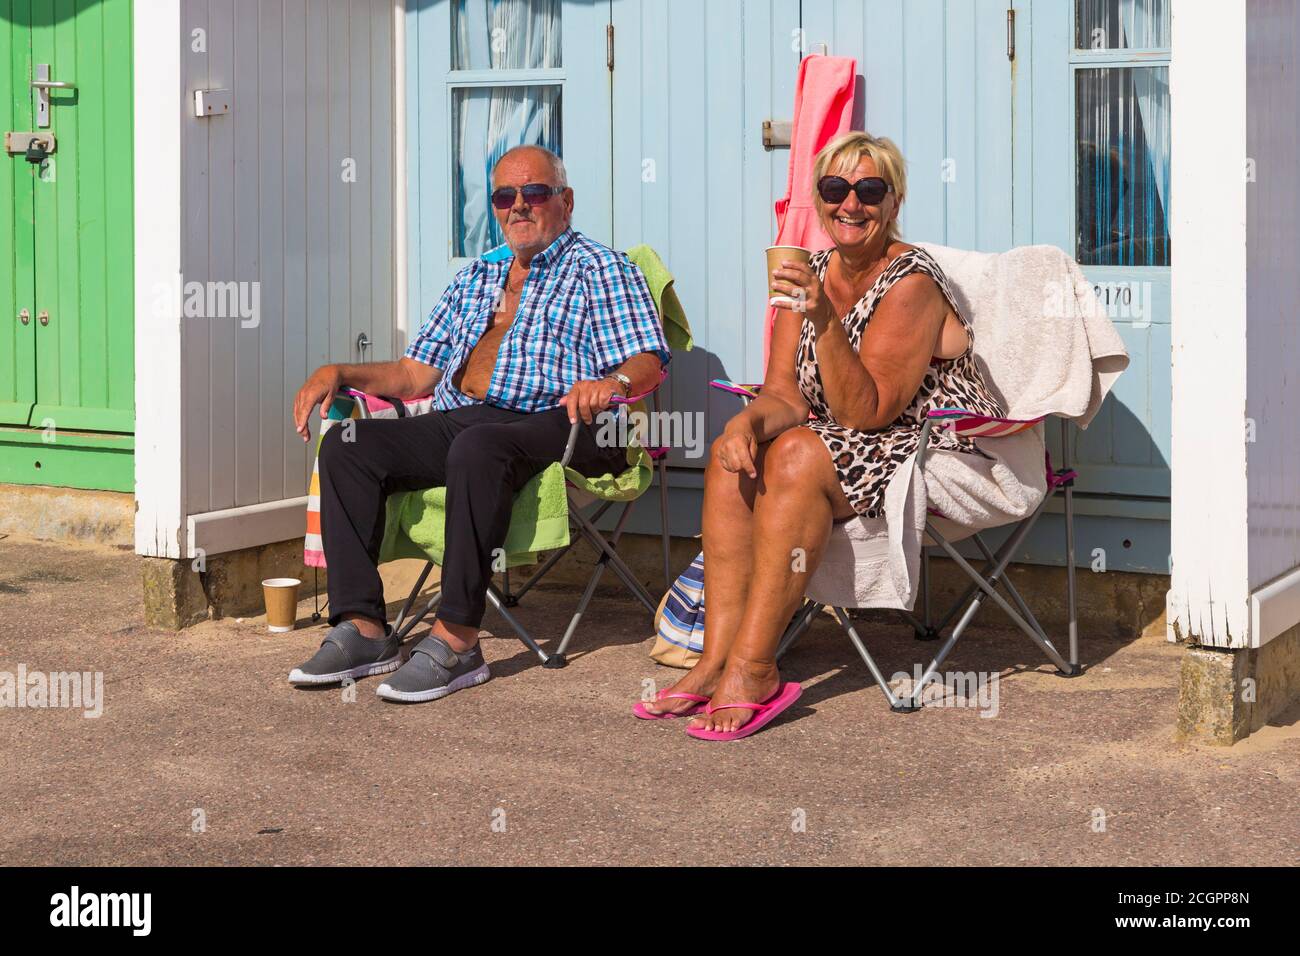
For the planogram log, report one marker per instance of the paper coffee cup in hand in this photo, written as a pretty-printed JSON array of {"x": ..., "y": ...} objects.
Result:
[
  {"x": 281, "y": 596},
  {"x": 775, "y": 256}
]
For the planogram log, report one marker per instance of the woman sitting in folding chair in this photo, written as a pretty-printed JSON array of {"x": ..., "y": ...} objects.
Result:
[{"x": 868, "y": 341}]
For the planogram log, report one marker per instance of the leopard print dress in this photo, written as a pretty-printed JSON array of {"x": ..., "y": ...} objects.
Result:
[{"x": 865, "y": 461}]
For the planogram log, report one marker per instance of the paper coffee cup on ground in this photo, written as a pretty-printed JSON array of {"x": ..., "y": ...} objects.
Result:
[
  {"x": 281, "y": 595},
  {"x": 775, "y": 256}
]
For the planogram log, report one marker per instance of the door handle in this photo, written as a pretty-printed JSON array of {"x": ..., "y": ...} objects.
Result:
[{"x": 42, "y": 84}]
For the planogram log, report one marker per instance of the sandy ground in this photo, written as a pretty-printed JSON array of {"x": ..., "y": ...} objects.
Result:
[{"x": 204, "y": 754}]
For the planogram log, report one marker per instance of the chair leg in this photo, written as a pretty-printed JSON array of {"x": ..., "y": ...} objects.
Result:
[
  {"x": 317, "y": 607},
  {"x": 989, "y": 587},
  {"x": 928, "y": 631},
  {"x": 616, "y": 563},
  {"x": 607, "y": 558},
  {"x": 1073, "y": 669},
  {"x": 537, "y": 575},
  {"x": 410, "y": 598},
  {"x": 914, "y": 621},
  {"x": 1069, "y": 581},
  {"x": 969, "y": 593},
  {"x": 1005, "y": 581},
  {"x": 1005, "y": 550},
  {"x": 552, "y": 560},
  {"x": 664, "y": 537},
  {"x": 1068, "y": 488},
  {"x": 914, "y": 699},
  {"x": 497, "y": 600},
  {"x": 801, "y": 621},
  {"x": 588, "y": 592},
  {"x": 895, "y": 704},
  {"x": 411, "y": 624}
]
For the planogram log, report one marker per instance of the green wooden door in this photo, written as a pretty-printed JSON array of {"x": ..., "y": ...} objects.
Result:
[
  {"x": 83, "y": 220},
  {"x": 67, "y": 379},
  {"x": 17, "y": 230}
]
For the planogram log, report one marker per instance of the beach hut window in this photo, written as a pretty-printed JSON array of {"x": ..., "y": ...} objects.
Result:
[
  {"x": 509, "y": 55},
  {"x": 505, "y": 35},
  {"x": 1122, "y": 127}
]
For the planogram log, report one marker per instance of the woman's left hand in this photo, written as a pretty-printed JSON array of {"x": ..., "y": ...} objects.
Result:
[{"x": 800, "y": 282}]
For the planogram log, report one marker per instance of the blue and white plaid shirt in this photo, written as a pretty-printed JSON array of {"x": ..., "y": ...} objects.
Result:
[{"x": 584, "y": 311}]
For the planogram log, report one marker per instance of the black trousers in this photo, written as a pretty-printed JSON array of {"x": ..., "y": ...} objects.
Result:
[{"x": 481, "y": 454}]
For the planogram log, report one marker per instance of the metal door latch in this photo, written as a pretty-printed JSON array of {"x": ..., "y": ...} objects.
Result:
[
  {"x": 34, "y": 147},
  {"x": 776, "y": 134}
]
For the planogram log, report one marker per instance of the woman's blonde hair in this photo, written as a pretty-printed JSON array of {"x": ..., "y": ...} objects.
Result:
[{"x": 847, "y": 151}]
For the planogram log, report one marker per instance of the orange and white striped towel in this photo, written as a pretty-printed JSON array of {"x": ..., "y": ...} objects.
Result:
[{"x": 345, "y": 406}]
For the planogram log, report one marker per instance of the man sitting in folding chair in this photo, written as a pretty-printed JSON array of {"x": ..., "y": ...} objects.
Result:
[{"x": 535, "y": 341}]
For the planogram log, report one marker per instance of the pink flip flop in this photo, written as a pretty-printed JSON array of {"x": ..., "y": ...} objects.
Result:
[
  {"x": 764, "y": 714},
  {"x": 640, "y": 711}
]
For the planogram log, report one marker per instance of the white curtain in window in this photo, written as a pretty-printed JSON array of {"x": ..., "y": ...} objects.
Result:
[
  {"x": 1141, "y": 22},
  {"x": 499, "y": 35}
]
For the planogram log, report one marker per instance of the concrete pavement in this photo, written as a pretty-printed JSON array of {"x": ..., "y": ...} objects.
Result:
[{"x": 204, "y": 754}]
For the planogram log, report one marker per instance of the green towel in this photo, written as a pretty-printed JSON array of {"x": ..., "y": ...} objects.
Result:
[
  {"x": 414, "y": 526},
  {"x": 676, "y": 329}
]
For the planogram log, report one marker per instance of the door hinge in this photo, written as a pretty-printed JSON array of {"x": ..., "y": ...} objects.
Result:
[
  {"x": 1011, "y": 34},
  {"x": 609, "y": 46}
]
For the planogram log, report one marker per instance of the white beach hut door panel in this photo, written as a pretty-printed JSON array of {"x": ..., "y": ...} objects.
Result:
[{"x": 485, "y": 76}]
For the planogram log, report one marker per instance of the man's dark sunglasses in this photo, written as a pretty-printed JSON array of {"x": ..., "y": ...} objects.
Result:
[
  {"x": 835, "y": 189},
  {"x": 534, "y": 194}
]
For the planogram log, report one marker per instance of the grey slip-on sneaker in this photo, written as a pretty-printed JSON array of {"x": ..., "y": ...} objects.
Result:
[
  {"x": 434, "y": 670},
  {"x": 345, "y": 653}
]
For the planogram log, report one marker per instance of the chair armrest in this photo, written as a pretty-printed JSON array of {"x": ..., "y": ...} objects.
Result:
[
  {"x": 747, "y": 392},
  {"x": 614, "y": 400},
  {"x": 959, "y": 421},
  {"x": 374, "y": 403}
]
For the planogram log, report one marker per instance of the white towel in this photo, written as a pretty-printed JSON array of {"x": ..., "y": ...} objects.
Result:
[
  {"x": 1042, "y": 340},
  {"x": 1046, "y": 347}
]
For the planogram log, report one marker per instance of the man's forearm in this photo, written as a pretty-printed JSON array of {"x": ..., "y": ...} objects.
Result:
[
  {"x": 643, "y": 370},
  {"x": 391, "y": 379}
]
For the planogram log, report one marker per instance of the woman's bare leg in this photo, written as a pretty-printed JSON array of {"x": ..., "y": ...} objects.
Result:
[
  {"x": 728, "y": 556},
  {"x": 798, "y": 496}
]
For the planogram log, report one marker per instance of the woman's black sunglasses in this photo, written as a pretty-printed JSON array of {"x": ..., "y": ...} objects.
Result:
[
  {"x": 534, "y": 194},
  {"x": 835, "y": 189}
]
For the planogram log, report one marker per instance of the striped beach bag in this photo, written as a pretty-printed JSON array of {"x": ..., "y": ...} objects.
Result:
[{"x": 679, "y": 623}]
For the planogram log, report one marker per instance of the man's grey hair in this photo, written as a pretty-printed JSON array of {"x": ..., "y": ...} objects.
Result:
[{"x": 557, "y": 164}]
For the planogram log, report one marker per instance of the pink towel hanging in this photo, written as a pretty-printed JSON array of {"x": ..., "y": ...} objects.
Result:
[{"x": 823, "y": 109}]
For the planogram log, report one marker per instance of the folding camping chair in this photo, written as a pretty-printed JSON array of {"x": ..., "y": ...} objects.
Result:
[
  {"x": 580, "y": 492},
  {"x": 984, "y": 584}
]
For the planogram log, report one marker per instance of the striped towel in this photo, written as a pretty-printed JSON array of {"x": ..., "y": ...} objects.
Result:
[{"x": 343, "y": 408}]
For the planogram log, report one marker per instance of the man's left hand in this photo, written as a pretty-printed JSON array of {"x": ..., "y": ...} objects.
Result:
[{"x": 589, "y": 397}]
